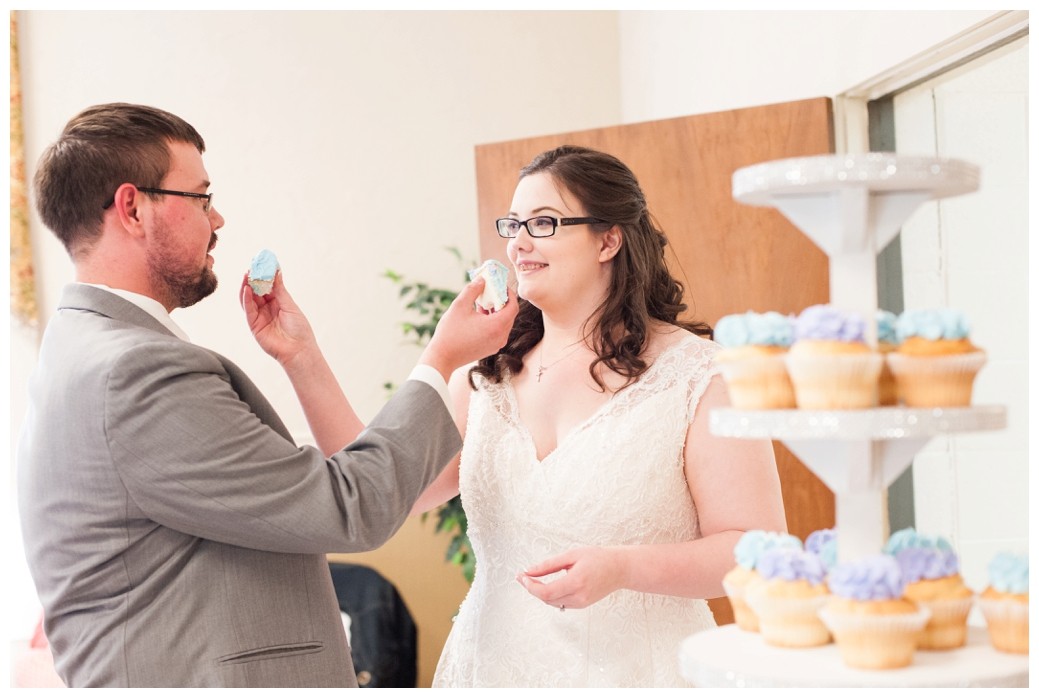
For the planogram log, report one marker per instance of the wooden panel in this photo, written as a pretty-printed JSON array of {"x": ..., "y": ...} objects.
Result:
[{"x": 732, "y": 258}]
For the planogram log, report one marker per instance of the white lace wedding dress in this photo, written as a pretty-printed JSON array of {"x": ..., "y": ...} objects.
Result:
[{"x": 617, "y": 479}]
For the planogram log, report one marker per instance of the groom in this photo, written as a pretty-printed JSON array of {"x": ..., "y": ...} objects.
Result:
[{"x": 175, "y": 533}]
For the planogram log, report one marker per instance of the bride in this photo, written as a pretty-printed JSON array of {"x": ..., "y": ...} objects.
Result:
[{"x": 602, "y": 511}]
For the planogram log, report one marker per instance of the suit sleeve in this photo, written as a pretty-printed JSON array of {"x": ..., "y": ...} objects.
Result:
[{"x": 195, "y": 457}]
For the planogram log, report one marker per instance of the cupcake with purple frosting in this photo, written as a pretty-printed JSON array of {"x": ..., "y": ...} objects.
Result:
[
  {"x": 751, "y": 359},
  {"x": 873, "y": 624},
  {"x": 830, "y": 364},
  {"x": 748, "y": 551},
  {"x": 788, "y": 596},
  {"x": 931, "y": 572}
]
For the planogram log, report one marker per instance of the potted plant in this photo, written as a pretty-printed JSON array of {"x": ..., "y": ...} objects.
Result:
[{"x": 430, "y": 303}]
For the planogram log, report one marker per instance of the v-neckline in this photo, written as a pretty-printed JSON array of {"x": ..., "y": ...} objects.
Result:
[{"x": 580, "y": 426}]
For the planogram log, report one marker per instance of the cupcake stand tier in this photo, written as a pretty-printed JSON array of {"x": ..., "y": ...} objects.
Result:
[
  {"x": 707, "y": 660},
  {"x": 857, "y": 454},
  {"x": 851, "y": 206}
]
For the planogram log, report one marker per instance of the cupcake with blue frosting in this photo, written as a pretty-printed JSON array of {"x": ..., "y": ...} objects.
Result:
[
  {"x": 936, "y": 362},
  {"x": 495, "y": 291},
  {"x": 748, "y": 551},
  {"x": 787, "y": 597},
  {"x": 887, "y": 342},
  {"x": 262, "y": 270},
  {"x": 873, "y": 624},
  {"x": 931, "y": 572},
  {"x": 751, "y": 359},
  {"x": 1004, "y": 603},
  {"x": 831, "y": 366}
]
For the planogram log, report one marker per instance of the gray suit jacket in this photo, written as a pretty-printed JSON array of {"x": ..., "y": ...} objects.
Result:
[{"x": 175, "y": 533}]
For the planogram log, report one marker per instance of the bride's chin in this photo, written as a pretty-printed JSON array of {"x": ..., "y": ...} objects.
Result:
[{"x": 528, "y": 294}]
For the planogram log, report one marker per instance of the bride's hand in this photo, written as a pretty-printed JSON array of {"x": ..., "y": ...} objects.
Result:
[
  {"x": 278, "y": 325},
  {"x": 589, "y": 575}
]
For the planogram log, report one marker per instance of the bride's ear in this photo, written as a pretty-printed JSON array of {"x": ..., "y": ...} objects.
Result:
[{"x": 610, "y": 243}]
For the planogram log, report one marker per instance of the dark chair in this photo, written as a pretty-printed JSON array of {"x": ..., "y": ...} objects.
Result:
[{"x": 383, "y": 637}]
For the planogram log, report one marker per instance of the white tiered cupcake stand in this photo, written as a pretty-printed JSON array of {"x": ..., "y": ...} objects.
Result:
[{"x": 851, "y": 206}]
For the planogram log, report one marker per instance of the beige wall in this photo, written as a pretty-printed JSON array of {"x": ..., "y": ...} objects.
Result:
[
  {"x": 676, "y": 63},
  {"x": 344, "y": 142}
]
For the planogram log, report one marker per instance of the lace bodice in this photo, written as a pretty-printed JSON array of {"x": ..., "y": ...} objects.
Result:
[{"x": 616, "y": 479}]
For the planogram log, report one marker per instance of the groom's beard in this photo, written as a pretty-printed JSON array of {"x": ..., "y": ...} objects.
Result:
[{"x": 181, "y": 285}]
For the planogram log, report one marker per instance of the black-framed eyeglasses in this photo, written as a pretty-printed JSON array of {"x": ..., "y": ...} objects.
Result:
[
  {"x": 538, "y": 226},
  {"x": 207, "y": 199}
]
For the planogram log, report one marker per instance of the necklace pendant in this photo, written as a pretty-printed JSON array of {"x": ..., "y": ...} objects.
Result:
[{"x": 541, "y": 369}]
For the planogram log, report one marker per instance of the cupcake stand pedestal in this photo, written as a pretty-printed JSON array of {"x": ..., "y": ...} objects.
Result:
[{"x": 851, "y": 206}]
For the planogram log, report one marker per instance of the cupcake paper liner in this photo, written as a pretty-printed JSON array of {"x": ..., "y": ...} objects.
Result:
[
  {"x": 835, "y": 382},
  {"x": 789, "y": 622},
  {"x": 1007, "y": 622},
  {"x": 743, "y": 614},
  {"x": 758, "y": 383},
  {"x": 887, "y": 386},
  {"x": 877, "y": 641},
  {"x": 936, "y": 381},
  {"x": 947, "y": 627},
  {"x": 880, "y": 623}
]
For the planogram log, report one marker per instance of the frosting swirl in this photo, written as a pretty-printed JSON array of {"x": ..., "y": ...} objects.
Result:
[
  {"x": 824, "y": 544},
  {"x": 1009, "y": 573},
  {"x": 886, "y": 331},
  {"x": 828, "y": 322},
  {"x": 263, "y": 266},
  {"x": 932, "y": 324},
  {"x": 753, "y": 543},
  {"x": 927, "y": 563},
  {"x": 791, "y": 564},
  {"x": 909, "y": 538},
  {"x": 872, "y": 578},
  {"x": 768, "y": 328}
]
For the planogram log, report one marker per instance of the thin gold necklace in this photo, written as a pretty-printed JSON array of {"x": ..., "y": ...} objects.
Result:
[{"x": 541, "y": 355}]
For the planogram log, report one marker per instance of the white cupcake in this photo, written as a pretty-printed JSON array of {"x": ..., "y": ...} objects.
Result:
[
  {"x": 788, "y": 596},
  {"x": 752, "y": 359},
  {"x": 749, "y": 549},
  {"x": 830, "y": 364},
  {"x": 873, "y": 624},
  {"x": 1004, "y": 603}
]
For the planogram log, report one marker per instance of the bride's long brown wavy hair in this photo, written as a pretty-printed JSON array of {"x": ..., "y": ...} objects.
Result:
[{"x": 641, "y": 290}]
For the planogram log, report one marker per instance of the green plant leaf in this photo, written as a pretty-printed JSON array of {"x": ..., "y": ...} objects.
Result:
[{"x": 431, "y": 303}]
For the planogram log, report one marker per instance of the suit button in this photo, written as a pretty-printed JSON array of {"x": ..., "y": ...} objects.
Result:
[{"x": 364, "y": 678}]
